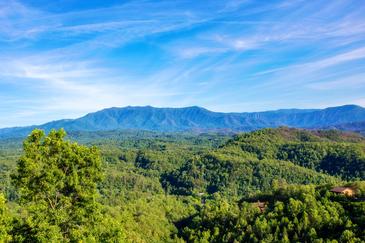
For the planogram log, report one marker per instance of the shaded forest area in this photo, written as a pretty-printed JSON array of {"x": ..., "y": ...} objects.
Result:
[{"x": 271, "y": 185}]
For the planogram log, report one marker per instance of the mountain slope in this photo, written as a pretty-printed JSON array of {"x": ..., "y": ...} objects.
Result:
[
  {"x": 197, "y": 118},
  {"x": 333, "y": 152},
  {"x": 358, "y": 127}
]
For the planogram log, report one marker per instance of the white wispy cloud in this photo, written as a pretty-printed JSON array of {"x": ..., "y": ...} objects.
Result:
[
  {"x": 226, "y": 52},
  {"x": 348, "y": 82},
  {"x": 301, "y": 26}
]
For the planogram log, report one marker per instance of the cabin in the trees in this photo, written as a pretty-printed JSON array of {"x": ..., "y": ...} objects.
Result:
[{"x": 344, "y": 190}]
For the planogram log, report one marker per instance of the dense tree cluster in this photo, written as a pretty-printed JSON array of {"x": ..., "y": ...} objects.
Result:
[
  {"x": 328, "y": 152},
  {"x": 272, "y": 185},
  {"x": 56, "y": 182},
  {"x": 293, "y": 214},
  {"x": 236, "y": 175}
]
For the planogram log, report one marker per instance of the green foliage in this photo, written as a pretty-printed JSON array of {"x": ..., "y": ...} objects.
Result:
[
  {"x": 336, "y": 155},
  {"x": 236, "y": 175},
  {"x": 294, "y": 213},
  {"x": 166, "y": 187},
  {"x": 5, "y": 221},
  {"x": 56, "y": 181}
]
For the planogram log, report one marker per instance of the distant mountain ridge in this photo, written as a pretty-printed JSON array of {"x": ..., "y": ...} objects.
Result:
[
  {"x": 198, "y": 119},
  {"x": 357, "y": 127}
]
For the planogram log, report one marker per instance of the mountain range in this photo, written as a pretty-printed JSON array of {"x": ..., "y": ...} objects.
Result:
[{"x": 347, "y": 117}]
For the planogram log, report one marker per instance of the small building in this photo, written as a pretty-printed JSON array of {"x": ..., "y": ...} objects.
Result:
[{"x": 344, "y": 190}]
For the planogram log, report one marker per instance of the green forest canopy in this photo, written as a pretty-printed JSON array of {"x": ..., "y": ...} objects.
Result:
[{"x": 149, "y": 187}]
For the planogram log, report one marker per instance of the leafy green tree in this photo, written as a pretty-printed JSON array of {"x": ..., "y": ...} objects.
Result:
[
  {"x": 5, "y": 221},
  {"x": 57, "y": 185}
]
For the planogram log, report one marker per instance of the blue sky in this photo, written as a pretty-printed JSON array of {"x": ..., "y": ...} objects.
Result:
[{"x": 62, "y": 59}]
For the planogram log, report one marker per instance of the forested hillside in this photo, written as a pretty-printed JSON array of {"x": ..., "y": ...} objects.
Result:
[
  {"x": 358, "y": 127},
  {"x": 271, "y": 185}
]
